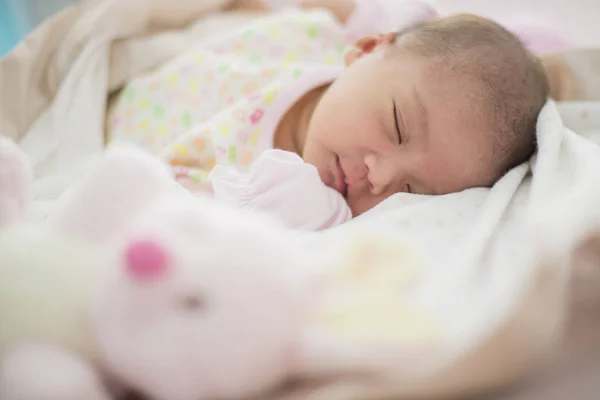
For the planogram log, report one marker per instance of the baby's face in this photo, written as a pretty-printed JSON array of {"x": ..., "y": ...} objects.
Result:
[{"x": 393, "y": 123}]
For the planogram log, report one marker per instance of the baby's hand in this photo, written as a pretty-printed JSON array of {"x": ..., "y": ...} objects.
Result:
[
  {"x": 282, "y": 184},
  {"x": 341, "y": 9}
]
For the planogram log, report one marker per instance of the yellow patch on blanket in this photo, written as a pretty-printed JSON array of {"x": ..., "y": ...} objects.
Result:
[{"x": 368, "y": 293}]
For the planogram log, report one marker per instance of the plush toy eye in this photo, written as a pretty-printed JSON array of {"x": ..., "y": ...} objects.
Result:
[{"x": 194, "y": 303}]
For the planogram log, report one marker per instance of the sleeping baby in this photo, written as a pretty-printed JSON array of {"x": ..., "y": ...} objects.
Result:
[{"x": 420, "y": 104}]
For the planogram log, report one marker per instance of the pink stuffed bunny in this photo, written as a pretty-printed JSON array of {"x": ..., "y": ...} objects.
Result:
[
  {"x": 45, "y": 350},
  {"x": 206, "y": 303},
  {"x": 538, "y": 35},
  {"x": 174, "y": 296}
]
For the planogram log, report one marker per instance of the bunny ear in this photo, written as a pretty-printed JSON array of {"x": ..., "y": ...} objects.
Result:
[
  {"x": 15, "y": 178},
  {"x": 146, "y": 259}
]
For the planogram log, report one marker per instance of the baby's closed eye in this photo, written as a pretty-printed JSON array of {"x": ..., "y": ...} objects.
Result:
[{"x": 397, "y": 124}]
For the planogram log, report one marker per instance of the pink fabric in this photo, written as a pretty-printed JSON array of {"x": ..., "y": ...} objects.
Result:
[
  {"x": 376, "y": 16},
  {"x": 372, "y": 17},
  {"x": 282, "y": 184},
  {"x": 576, "y": 21},
  {"x": 539, "y": 37}
]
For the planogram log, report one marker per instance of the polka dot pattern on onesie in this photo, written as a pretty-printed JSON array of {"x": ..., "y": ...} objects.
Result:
[{"x": 209, "y": 105}]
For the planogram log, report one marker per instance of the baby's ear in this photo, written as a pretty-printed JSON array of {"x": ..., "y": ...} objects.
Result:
[{"x": 368, "y": 45}]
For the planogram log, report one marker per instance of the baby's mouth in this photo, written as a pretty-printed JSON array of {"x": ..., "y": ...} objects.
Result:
[{"x": 340, "y": 178}]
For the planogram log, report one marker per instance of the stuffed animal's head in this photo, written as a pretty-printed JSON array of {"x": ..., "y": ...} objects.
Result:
[{"x": 205, "y": 302}]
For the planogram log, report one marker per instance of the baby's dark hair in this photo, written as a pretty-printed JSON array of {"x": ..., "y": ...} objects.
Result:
[{"x": 507, "y": 84}]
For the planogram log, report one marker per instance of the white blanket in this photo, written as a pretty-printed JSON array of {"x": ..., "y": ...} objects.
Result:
[
  {"x": 498, "y": 261},
  {"x": 498, "y": 265}
]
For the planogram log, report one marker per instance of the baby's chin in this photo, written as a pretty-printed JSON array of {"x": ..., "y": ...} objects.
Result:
[{"x": 357, "y": 207}]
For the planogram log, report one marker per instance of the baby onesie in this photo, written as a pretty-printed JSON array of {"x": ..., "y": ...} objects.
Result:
[{"x": 221, "y": 102}]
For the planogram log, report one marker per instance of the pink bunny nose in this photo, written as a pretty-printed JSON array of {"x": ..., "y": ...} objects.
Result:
[{"x": 145, "y": 259}]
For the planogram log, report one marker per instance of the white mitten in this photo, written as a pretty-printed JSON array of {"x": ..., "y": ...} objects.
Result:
[{"x": 282, "y": 184}]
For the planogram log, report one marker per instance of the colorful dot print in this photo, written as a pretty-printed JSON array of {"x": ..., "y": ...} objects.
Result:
[{"x": 210, "y": 104}]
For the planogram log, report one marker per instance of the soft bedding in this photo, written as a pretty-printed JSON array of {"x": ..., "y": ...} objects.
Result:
[{"x": 498, "y": 266}]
